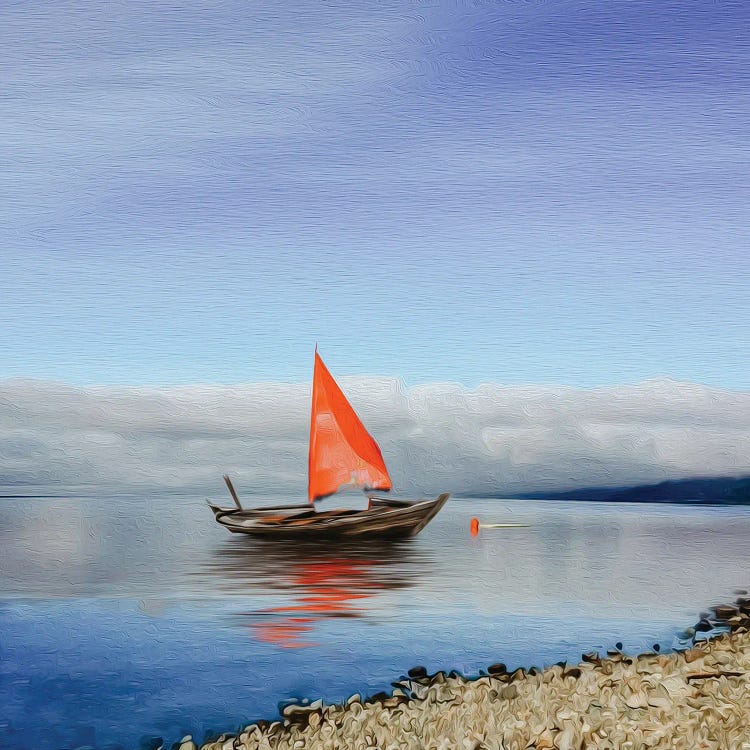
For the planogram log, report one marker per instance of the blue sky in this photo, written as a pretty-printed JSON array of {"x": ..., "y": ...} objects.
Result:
[{"x": 509, "y": 192}]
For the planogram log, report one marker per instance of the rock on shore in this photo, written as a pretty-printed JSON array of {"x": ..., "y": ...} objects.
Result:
[{"x": 697, "y": 699}]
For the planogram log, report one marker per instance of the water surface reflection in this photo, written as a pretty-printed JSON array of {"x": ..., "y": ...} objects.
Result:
[{"x": 316, "y": 581}]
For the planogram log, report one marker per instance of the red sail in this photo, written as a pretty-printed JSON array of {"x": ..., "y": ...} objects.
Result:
[{"x": 341, "y": 450}]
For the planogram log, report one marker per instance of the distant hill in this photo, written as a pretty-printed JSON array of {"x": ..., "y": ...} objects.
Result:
[{"x": 713, "y": 491}]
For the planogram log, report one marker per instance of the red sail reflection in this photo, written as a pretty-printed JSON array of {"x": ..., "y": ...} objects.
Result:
[
  {"x": 328, "y": 589},
  {"x": 317, "y": 581}
]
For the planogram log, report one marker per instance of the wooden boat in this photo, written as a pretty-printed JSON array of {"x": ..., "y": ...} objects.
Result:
[{"x": 342, "y": 453}]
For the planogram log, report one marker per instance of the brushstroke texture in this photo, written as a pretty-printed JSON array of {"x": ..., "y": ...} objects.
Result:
[
  {"x": 507, "y": 192},
  {"x": 434, "y": 437}
]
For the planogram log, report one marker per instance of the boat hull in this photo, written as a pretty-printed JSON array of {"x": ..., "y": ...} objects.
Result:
[{"x": 384, "y": 519}]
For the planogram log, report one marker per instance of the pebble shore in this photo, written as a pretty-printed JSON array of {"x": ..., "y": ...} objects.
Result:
[{"x": 696, "y": 699}]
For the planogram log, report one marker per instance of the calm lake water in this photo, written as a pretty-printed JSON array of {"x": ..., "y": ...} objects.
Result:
[{"x": 126, "y": 619}]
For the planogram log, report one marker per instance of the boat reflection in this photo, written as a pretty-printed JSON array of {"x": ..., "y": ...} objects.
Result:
[{"x": 319, "y": 582}]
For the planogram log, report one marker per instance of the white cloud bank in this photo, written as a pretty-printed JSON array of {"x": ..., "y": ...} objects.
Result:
[{"x": 434, "y": 437}]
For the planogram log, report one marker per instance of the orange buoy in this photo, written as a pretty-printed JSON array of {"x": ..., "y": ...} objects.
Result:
[{"x": 475, "y": 526}]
